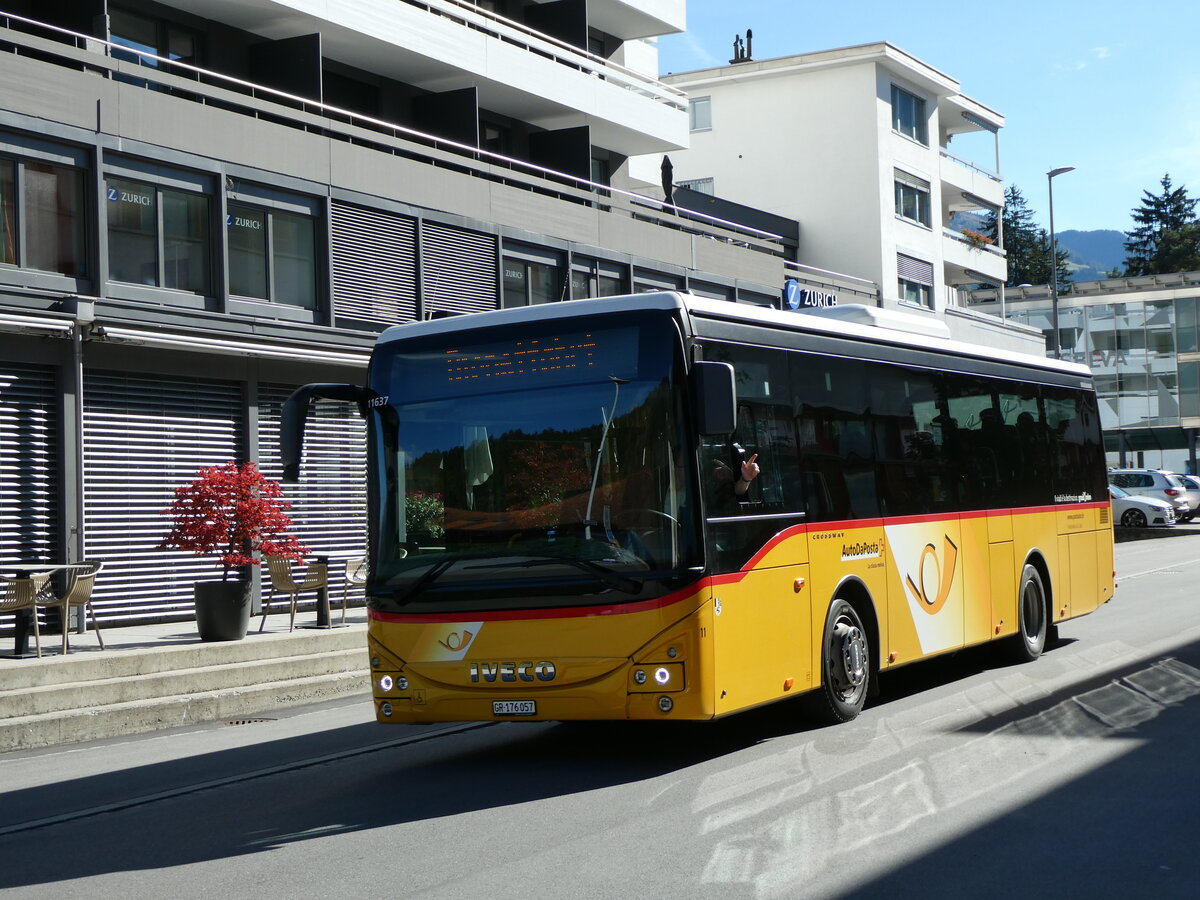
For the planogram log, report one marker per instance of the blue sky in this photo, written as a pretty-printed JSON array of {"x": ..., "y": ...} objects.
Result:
[{"x": 1112, "y": 88}]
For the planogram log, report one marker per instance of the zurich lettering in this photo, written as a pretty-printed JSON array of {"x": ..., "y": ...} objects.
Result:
[
  {"x": 512, "y": 671},
  {"x": 817, "y": 299}
]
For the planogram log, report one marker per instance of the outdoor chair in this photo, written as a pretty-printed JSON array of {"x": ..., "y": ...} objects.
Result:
[
  {"x": 78, "y": 594},
  {"x": 316, "y": 578},
  {"x": 356, "y": 575},
  {"x": 21, "y": 594}
]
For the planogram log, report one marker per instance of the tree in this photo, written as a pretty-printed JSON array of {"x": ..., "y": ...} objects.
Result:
[
  {"x": 1026, "y": 246},
  {"x": 230, "y": 511},
  {"x": 1165, "y": 237}
]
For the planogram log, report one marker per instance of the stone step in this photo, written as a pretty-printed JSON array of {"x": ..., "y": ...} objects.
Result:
[
  {"x": 143, "y": 682},
  {"x": 108, "y": 691},
  {"x": 118, "y": 662},
  {"x": 139, "y": 716}
]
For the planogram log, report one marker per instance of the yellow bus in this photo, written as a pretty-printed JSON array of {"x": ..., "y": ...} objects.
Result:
[{"x": 665, "y": 507}]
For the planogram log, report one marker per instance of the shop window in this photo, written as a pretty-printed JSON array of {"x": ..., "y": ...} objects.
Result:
[
  {"x": 597, "y": 278},
  {"x": 41, "y": 216},
  {"x": 531, "y": 276},
  {"x": 272, "y": 254},
  {"x": 159, "y": 235}
]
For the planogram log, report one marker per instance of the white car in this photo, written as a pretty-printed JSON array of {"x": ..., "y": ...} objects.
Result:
[{"x": 1138, "y": 512}]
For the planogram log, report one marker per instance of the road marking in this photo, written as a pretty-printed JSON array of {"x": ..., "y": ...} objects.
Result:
[{"x": 1173, "y": 568}]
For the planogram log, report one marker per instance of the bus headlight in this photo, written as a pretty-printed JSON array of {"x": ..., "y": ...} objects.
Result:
[
  {"x": 666, "y": 704},
  {"x": 385, "y": 683},
  {"x": 385, "y": 709}
]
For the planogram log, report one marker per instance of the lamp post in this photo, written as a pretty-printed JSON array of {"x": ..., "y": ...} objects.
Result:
[{"x": 1061, "y": 170}]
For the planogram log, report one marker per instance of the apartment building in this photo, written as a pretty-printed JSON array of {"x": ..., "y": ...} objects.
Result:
[
  {"x": 880, "y": 157},
  {"x": 205, "y": 203}
]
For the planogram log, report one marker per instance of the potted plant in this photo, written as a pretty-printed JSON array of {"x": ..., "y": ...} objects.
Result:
[{"x": 229, "y": 512}]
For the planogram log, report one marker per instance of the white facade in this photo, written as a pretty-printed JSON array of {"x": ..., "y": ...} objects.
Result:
[{"x": 819, "y": 138}]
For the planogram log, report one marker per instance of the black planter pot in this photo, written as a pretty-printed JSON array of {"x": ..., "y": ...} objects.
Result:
[{"x": 222, "y": 609}]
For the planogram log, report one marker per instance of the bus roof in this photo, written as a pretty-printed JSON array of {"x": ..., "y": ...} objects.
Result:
[{"x": 886, "y": 326}]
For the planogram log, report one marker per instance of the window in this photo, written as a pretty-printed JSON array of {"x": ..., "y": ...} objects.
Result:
[
  {"x": 597, "y": 278},
  {"x": 700, "y": 113},
  {"x": 908, "y": 115},
  {"x": 700, "y": 185},
  {"x": 531, "y": 276},
  {"x": 159, "y": 235},
  {"x": 912, "y": 198},
  {"x": 41, "y": 216},
  {"x": 272, "y": 254},
  {"x": 915, "y": 280},
  {"x": 141, "y": 33}
]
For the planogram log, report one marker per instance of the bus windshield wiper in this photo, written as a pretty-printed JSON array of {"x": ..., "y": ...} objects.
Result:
[
  {"x": 425, "y": 579},
  {"x": 607, "y": 576}
]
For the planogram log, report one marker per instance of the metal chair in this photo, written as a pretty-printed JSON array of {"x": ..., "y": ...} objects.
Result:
[
  {"x": 20, "y": 594},
  {"x": 79, "y": 594},
  {"x": 316, "y": 578},
  {"x": 356, "y": 574}
]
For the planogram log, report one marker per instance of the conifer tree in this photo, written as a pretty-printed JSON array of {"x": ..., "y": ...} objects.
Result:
[
  {"x": 1164, "y": 237},
  {"x": 1026, "y": 246}
]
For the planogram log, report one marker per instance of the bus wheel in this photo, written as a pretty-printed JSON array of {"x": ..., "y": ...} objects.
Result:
[
  {"x": 1033, "y": 623},
  {"x": 845, "y": 665}
]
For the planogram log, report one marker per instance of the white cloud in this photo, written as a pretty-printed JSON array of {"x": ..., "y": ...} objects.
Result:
[{"x": 1101, "y": 52}]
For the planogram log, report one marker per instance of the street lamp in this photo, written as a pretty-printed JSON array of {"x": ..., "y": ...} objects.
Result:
[{"x": 1061, "y": 170}]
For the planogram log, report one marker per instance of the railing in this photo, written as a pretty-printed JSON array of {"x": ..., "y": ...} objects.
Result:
[
  {"x": 209, "y": 88},
  {"x": 975, "y": 167},
  {"x": 543, "y": 44}
]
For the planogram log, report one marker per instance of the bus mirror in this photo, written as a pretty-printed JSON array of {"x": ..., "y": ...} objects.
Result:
[
  {"x": 295, "y": 413},
  {"x": 714, "y": 397}
]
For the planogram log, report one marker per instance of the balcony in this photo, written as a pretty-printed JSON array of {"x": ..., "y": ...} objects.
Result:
[
  {"x": 968, "y": 262},
  {"x": 639, "y": 18},
  {"x": 442, "y": 46}
]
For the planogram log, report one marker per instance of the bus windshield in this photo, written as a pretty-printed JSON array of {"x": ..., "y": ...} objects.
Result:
[{"x": 539, "y": 465}]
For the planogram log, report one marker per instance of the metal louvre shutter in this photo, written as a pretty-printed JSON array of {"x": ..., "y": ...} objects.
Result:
[
  {"x": 374, "y": 265},
  {"x": 143, "y": 437},
  {"x": 28, "y": 466},
  {"x": 329, "y": 504},
  {"x": 460, "y": 269},
  {"x": 914, "y": 269}
]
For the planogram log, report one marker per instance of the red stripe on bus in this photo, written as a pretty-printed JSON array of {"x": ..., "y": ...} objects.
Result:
[{"x": 566, "y": 612}]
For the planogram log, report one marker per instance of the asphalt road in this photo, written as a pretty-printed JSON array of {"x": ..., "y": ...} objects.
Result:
[{"x": 1072, "y": 776}]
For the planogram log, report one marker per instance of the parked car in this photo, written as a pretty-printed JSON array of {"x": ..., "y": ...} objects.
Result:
[
  {"x": 1139, "y": 512},
  {"x": 1191, "y": 484},
  {"x": 1158, "y": 484}
]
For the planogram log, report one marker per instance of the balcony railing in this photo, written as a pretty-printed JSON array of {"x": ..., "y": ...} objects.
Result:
[
  {"x": 511, "y": 32},
  {"x": 208, "y": 88}
]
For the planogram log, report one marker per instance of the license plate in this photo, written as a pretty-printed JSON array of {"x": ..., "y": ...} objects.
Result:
[{"x": 514, "y": 707}]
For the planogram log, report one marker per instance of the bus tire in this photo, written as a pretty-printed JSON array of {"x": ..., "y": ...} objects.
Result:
[
  {"x": 845, "y": 666},
  {"x": 1033, "y": 620}
]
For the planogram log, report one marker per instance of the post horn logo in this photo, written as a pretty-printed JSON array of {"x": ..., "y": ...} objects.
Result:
[
  {"x": 932, "y": 573},
  {"x": 455, "y": 642}
]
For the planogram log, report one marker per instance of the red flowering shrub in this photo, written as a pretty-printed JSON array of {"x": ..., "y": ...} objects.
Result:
[{"x": 230, "y": 512}]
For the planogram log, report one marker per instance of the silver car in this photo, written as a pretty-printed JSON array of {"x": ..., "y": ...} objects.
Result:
[{"x": 1158, "y": 484}]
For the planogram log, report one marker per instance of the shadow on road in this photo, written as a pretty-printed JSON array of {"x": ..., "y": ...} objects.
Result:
[{"x": 1136, "y": 811}]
